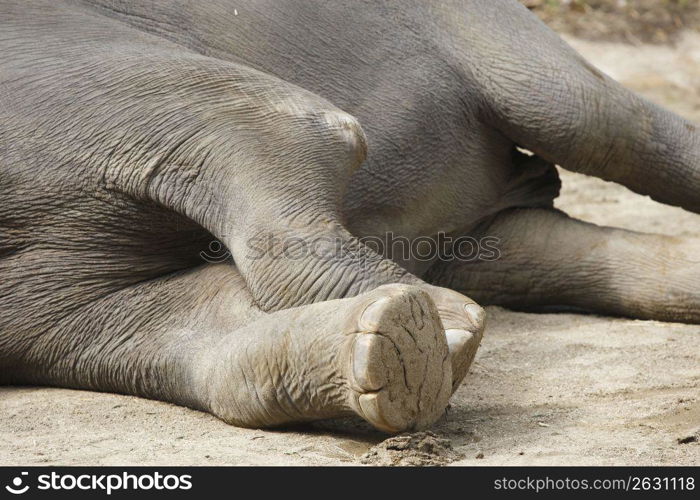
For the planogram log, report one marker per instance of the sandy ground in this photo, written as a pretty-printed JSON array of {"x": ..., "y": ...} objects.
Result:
[{"x": 545, "y": 389}]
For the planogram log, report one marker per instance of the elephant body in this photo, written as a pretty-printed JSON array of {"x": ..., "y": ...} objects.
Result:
[{"x": 135, "y": 134}]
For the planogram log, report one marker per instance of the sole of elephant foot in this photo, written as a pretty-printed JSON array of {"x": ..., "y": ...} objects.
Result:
[
  {"x": 464, "y": 322},
  {"x": 399, "y": 363}
]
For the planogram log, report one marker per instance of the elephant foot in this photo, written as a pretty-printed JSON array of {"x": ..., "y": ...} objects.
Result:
[
  {"x": 382, "y": 355},
  {"x": 399, "y": 365}
]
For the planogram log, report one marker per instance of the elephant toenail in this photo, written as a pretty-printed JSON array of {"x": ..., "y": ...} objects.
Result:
[
  {"x": 366, "y": 379},
  {"x": 476, "y": 315},
  {"x": 371, "y": 316}
]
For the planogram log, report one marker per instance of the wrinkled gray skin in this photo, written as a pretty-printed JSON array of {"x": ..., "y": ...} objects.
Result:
[{"x": 133, "y": 133}]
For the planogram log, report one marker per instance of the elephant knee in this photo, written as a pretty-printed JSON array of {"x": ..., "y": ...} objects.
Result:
[{"x": 346, "y": 130}]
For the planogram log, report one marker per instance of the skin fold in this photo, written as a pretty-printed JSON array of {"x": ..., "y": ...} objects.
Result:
[{"x": 136, "y": 133}]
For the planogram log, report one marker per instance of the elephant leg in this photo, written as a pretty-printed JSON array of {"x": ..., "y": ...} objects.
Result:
[
  {"x": 197, "y": 339},
  {"x": 274, "y": 201},
  {"x": 545, "y": 97},
  {"x": 259, "y": 163},
  {"x": 549, "y": 259}
]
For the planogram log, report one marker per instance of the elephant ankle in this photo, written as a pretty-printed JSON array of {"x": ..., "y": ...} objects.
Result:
[
  {"x": 277, "y": 370},
  {"x": 320, "y": 268}
]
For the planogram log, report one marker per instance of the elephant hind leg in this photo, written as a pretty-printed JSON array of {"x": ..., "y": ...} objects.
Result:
[
  {"x": 547, "y": 259},
  {"x": 198, "y": 339}
]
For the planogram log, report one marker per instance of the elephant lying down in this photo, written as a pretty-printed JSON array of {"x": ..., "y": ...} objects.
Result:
[{"x": 135, "y": 133}]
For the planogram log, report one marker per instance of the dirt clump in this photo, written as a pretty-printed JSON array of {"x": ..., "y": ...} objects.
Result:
[{"x": 418, "y": 449}]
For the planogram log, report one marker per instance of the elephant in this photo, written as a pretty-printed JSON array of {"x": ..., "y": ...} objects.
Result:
[{"x": 135, "y": 135}]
